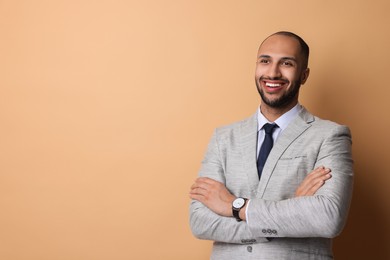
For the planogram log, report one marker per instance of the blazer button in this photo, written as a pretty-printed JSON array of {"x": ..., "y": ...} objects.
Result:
[{"x": 249, "y": 248}]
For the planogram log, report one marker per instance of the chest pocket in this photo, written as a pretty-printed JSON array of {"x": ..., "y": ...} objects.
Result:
[{"x": 288, "y": 173}]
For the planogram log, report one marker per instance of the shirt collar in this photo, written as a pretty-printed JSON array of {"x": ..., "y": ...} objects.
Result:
[{"x": 282, "y": 121}]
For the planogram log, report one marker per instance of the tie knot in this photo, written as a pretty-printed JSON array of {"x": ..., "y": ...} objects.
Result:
[{"x": 269, "y": 128}]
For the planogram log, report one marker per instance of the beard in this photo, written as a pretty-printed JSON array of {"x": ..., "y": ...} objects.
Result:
[{"x": 285, "y": 99}]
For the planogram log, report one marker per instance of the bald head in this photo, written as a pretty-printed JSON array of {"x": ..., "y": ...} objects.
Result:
[{"x": 304, "y": 48}]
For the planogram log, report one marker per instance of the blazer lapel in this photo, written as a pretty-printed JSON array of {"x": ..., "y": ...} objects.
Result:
[
  {"x": 299, "y": 125},
  {"x": 248, "y": 144}
]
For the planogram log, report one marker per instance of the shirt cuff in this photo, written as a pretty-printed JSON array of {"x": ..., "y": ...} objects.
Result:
[{"x": 246, "y": 211}]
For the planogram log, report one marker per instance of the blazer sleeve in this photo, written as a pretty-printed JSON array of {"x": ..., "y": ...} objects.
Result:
[
  {"x": 321, "y": 215},
  {"x": 204, "y": 223}
]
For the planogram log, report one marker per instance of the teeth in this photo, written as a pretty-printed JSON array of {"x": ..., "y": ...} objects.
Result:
[{"x": 272, "y": 85}]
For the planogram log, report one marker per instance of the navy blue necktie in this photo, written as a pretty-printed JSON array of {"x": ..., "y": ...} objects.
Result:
[{"x": 265, "y": 147}]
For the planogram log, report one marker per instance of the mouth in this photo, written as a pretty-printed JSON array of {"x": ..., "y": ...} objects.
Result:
[{"x": 273, "y": 86}]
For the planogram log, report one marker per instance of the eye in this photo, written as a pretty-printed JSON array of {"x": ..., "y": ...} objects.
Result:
[
  {"x": 264, "y": 61},
  {"x": 287, "y": 63}
]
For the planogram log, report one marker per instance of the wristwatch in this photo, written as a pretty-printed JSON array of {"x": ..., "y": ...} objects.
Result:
[{"x": 237, "y": 205}]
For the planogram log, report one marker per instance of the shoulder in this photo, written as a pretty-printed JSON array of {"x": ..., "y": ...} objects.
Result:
[
  {"x": 247, "y": 124},
  {"x": 320, "y": 128},
  {"x": 328, "y": 128}
]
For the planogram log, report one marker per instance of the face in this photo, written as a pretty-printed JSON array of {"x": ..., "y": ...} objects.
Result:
[{"x": 280, "y": 72}]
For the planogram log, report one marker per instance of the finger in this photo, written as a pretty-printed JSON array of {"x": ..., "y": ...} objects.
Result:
[
  {"x": 198, "y": 188},
  {"x": 207, "y": 180},
  {"x": 307, "y": 183},
  {"x": 194, "y": 185},
  {"x": 198, "y": 192},
  {"x": 303, "y": 190},
  {"x": 199, "y": 183},
  {"x": 320, "y": 176},
  {"x": 197, "y": 197},
  {"x": 319, "y": 171},
  {"x": 205, "y": 185},
  {"x": 203, "y": 179},
  {"x": 315, "y": 188},
  {"x": 312, "y": 180},
  {"x": 312, "y": 175},
  {"x": 315, "y": 184}
]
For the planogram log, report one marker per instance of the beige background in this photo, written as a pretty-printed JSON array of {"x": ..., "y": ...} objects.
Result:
[{"x": 106, "y": 108}]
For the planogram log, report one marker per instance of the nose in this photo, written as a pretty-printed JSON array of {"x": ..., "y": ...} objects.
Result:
[{"x": 274, "y": 71}]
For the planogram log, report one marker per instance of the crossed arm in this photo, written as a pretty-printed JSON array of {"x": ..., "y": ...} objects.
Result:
[
  {"x": 215, "y": 196},
  {"x": 318, "y": 209}
]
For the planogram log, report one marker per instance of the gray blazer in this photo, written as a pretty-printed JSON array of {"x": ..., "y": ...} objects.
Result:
[{"x": 279, "y": 226}]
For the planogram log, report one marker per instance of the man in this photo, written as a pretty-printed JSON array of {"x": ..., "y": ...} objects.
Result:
[{"x": 263, "y": 191}]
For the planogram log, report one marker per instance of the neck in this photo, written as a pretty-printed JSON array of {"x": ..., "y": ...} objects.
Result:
[{"x": 273, "y": 113}]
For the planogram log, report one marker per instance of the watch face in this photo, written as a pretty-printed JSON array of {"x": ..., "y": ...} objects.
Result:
[{"x": 238, "y": 203}]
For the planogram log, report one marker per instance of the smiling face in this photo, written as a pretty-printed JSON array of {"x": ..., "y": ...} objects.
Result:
[{"x": 280, "y": 71}]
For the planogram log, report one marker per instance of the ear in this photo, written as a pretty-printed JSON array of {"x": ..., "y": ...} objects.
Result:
[{"x": 305, "y": 75}]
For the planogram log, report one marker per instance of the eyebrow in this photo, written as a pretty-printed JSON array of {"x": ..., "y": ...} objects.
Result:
[{"x": 283, "y": 58}]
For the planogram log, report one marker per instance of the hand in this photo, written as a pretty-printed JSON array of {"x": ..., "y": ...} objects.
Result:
[
  {"x": 214, "y": 195},
  {"x": 313, "y": 182}
]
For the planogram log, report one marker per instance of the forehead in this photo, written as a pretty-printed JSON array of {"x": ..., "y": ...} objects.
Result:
[{"x": 280, "y": 46}]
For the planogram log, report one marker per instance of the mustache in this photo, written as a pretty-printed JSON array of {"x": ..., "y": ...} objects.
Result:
[{"x": 274, "y": 78}]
